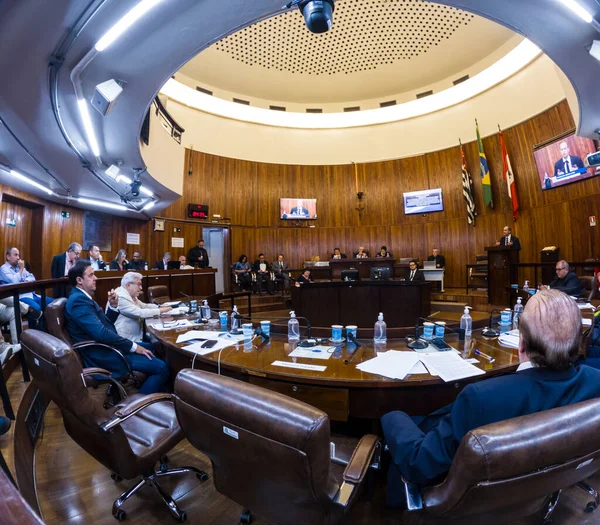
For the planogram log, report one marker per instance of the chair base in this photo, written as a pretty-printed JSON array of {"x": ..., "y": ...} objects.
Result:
[{"x": 150, "y": 479}]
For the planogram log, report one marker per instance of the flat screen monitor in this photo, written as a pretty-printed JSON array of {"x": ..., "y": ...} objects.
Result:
[
  {"x": 297, "y": 209},
  {"x": 380, "y": 273},
  {"x": 173, "y": 265},
  {"x": 350, "y": 275},
  {"x": 560, "y": 161},
  {"x": 424, "y": 201}
]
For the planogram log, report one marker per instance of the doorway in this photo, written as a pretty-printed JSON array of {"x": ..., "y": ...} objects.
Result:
[{"x": 214, "y": 242}]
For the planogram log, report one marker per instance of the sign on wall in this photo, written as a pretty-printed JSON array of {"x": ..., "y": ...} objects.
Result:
[
  {"x": 133, "y": 238},
  {"x": 177, "y": 242}
]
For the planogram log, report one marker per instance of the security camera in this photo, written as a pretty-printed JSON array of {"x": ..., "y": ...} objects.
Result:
[
  {"x": 318, "y": 14},
  {"x": 105, "y": 96},
  {"x": 592, "y": 160},
  {"x": 135, "y": 186}
]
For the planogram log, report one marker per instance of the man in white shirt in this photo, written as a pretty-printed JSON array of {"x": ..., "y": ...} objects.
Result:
[
  {"x": 95, "y": 258},
  {"x": 508, "y": 239},
  {"x": 183, "y": 265}
]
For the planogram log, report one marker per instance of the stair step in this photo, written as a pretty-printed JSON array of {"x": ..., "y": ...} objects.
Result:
[{"x": 448, "y": 306}]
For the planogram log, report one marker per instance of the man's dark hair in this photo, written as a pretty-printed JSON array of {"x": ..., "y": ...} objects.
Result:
[
  {"x": 261, "y": 255},
  {"x": 77, "y": 271},
  {"x": 91, "y": 247},
  {"x": 199, "y": 241},
  {"x": 414, "y": 261}
]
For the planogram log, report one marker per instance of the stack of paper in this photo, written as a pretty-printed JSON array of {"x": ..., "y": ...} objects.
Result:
[
  {"x": 392, "y": 364},
  {"x": 449, "y": 366},
  {"x": 509, "y": 339}
]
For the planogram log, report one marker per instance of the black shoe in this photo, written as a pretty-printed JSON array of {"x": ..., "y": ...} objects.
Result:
[
  {"x": 34, "y": 314},
  {"x": 4, "y": 425}
]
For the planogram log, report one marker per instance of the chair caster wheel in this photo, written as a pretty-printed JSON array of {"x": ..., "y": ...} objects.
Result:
[
  {"x": 164, "y": 461},
  {"x": 590, "y": 507},
  {"x": 116, "y": 477},
  {"x": 182, "y": 517},
  {"x": 246, "y": 517},
  {"x": 203, "y": 476},
  {"x": 120, "y": 515}
]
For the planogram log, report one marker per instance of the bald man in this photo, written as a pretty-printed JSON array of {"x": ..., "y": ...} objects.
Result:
[
  {"x": 565, "y": 281},
  {"x": 422, "y": 449}
]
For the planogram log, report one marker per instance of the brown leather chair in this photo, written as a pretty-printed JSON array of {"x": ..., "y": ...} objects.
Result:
[
  {"x": 515, "y": 468},
  {"x": 589, "y": 287},
  {"x": 128, "y": 439},
  {"x": 158, "y": 294},
  {"x": 269, "y": 452}
]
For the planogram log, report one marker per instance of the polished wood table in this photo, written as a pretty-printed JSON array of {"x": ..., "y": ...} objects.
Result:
[
  {"x": 359, "y": 302},
  {"x": 342, "y": 390}
]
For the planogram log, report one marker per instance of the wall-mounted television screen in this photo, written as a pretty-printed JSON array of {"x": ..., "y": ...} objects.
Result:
[
  {"x": 298, "y": 209},
  {"x": 560, "y": 161},
  {"x": 424, "y": 201}
]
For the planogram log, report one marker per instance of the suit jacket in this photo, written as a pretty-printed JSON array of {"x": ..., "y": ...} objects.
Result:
[
  {"x": 114, "y": 265},
  {"x": 419, "y": 276},
  {"x": 576, "y": 163},
  {"x": 137, "y": 265},
  {"x": 569, "y": 284},
  {"x": 281, "y": 271},
  {"x": 194, "y": 254},
  {"x": 86, "y": 321},
  {"x": 423, "y": 452},
  {"x": 440, "y": 259},
  {"x": 342, "y": 256},
  {"x": 256, "y": 266},
  {"x": 58, "y": 270},
  {"x": 516, "y": 245},
  {"x": 159, "y": 265},
  {"x": 299, "y": 212},
  {"x": 132, "y": 312}
]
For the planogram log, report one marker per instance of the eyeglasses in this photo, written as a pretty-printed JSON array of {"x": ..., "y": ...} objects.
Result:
[{"x": 563, "y": 268}]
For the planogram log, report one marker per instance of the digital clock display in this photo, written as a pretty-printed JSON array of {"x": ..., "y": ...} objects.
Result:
[{"x": 198, "y": 211}]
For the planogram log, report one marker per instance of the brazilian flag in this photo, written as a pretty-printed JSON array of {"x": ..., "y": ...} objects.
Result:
[{"x": 484, "y": 171}]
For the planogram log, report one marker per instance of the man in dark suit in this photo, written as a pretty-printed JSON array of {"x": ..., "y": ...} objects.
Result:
[
  {"x": 337, "y": 254},
  {"x": 299, "y": 210},
  {"x": 163, "y": 264},
  {"x": 281, "y": 269},
  {"x": 567, "y": 163},
  {"x": 61, "y": 264},
  {"x": 422, "y": 449},
  {"x": 413, "y": 273},
  {"x": 565, "y": 281},
  {"x": 198, "y": 255},
  {"x": 440, "y": 260},
  {"x": 86, "y": 321},
  {"x": 95, "y": 258},
  {"x": 508, "y": 239},
  {"x": 137, "y": 262},
  {"x": 262, "y": 269}
]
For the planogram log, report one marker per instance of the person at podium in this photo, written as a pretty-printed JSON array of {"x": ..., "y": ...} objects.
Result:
[
  {"x": 567, "y": 162},
  {"x": 508, "y": 239},
  {"x": 440, "y": 260}
]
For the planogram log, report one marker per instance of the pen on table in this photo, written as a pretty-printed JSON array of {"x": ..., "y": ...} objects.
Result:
[{"x": 485, "y": 356}]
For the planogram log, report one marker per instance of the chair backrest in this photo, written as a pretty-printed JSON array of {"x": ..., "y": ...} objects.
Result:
[
  {"x": 588, "y": 287},
  {"x": 57, "y": 372},
  {"x": 270, "y": 453},
  {"x": 55, "y": 320},
  {"x": 502, "y": 467},
  {"x": 158, "y": 294}
]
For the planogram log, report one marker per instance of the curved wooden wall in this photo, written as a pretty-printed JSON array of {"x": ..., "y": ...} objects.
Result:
[{"x": 249, "y": 192}]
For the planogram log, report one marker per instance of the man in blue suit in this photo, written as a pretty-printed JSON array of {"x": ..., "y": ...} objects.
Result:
[
  {"x": 422, "y": 449},
  {"x": 86, "y": 321}
]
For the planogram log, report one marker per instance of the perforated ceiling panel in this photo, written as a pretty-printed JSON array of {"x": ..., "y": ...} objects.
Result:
[{"x": 365, "y": 34}]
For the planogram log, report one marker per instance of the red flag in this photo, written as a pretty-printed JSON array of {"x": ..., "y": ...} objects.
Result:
[{"x": 510, "y": 179}]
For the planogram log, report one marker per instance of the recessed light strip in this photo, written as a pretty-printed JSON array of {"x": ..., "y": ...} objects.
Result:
[
  {"x": 511, "y": 63},
  {"x": 31, "y": 182},
  {"x": 102, "y": 204},
  {"x": 578, "y": 9}
]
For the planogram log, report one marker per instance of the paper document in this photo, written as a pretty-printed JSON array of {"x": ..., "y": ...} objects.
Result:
[
  {"x": 586, "y": 322},
  {"x": 509, "y": 339},
  {"x": 301, "y": 366},
  {"x": 169, "y": 325},
  {"x": 449, "y": 366},
  {"x": 315, "y": 352},
  {"x": 171, "y": 303},
  {"x": 585, "y": 306},
  {"x": 393, "y": 364}
]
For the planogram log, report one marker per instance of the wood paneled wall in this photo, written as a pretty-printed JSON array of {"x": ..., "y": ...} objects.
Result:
[{"x": 249, "y": 192}]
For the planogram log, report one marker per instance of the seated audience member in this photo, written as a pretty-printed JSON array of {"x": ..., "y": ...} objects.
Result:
[
  {"x": 281, "y": 269},
  {"x": 13, "y": 271},
  {"x": 440, "y": 260},
  {"x": 61, "y": 264},
  {"x": 337, "y": 254},
  {"x": 163, "y": 264},
  {"x": 361, "y": 253},
  {"x": 383, "y": 252},
  {"x": 566, "y": 281},
  {"x": 262, "y": 269},
  {"x": 413, "y": 273},
  {"x": 243, "y": 271},
  {"x": 120, "y": 261},
  {"x": 95, "y": 258},
  {"x": 137, "y": 262},
  {"x": 85, "y": 321},
  {"x": 198, "y": 256},
  {"x": 183, "y": 265},
  {"x": 132, "y": 311},
  {"x": 422, "y": 449},
  {"x": 305, "y": 278}
]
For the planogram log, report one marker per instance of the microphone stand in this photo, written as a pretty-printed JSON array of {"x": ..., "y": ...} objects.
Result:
[
  {"x": 418, "y": 343},
  {"x": 352, "y": 339},
  {"x": 489, "y": 332}
]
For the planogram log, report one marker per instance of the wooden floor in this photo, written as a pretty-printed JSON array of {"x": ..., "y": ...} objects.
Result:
[{"x": 75, "y": 489}]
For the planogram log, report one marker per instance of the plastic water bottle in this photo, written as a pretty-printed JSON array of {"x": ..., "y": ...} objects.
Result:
[
  {"x": 466, "y": 322},
  {"x": 146, "y": 266},
  {"x": 526, "y": 287},
  {"x": 380, "y": 330},
  {"x": 205, "y": 310},
  {"x": 517, "y": 311},
  {"x": 293, "y": 328},
  {"x": 235, "y": 322}
]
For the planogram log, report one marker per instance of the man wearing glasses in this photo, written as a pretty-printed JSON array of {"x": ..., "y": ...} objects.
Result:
[{"x": 565, "y": 280}]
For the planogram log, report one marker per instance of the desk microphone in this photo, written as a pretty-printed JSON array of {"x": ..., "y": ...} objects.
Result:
[
  {"x": 352, "y": 339},
  {"x": 189, "y": 302},
  {"x": 418, "y": 343},
  {"x": 257, "y": 331},
  {"x": 307, "y": 343},
  {"x": 489, "y": 332}
]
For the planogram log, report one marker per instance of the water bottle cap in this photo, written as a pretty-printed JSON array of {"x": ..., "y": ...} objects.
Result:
[
  {"x": 518, "y": 300},
  {"x": 235, "y": 308},
  {"x": 292, "y": 314},
  {"x": 467, "y": 308},
  {"x": 380, "y": 316}
]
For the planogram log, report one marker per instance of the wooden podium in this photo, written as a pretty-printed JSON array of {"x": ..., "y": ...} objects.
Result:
[{"x": 501, "y": 273}]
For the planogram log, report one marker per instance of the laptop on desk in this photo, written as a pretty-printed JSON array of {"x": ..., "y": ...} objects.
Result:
[{"x": 429, "y": 265}]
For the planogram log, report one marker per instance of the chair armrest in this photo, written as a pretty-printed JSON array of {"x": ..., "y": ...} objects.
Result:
[
  {"x": 414, "y": 501},
  {"x": 131, "y": 409},
  {"x": 106, "y": 379},
  {"x": 362, "y": 458},
  {"x": 85, "y": 344}
]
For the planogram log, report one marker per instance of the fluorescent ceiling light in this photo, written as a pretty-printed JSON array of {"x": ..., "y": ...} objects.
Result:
[
  {"x": 146, "y": 191},
  {"x": 579, "y": 10},
  {"x": 30, "y": 181},
  {"x": 102, "y": 204},
  {"x": 88, "y": 126},
  {"x": 504, "y": 68},
  {"x": 124, "y": 178},
  {"x": 148, "y": 206},
  {"x": 125, "y": 23}
]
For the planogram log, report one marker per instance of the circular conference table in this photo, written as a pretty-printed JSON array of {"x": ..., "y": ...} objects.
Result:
[{"x": 341, "y": 390}]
